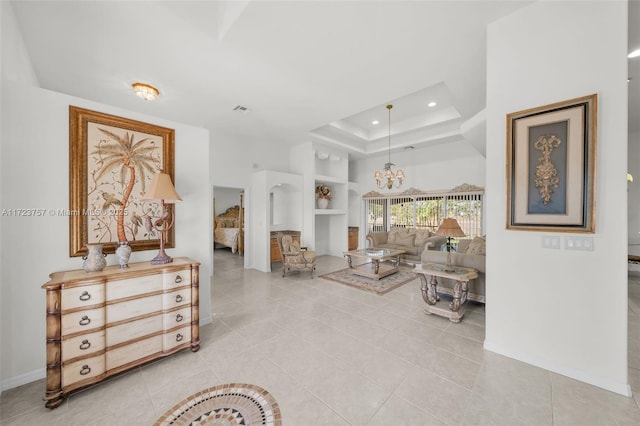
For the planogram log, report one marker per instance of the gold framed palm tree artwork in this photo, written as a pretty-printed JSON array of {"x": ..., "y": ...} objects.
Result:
[{"x": 112, "y": 161}]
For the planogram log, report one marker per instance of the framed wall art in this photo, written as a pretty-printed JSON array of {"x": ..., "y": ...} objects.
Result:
[
  {"x": 112, "y": 161},
  {"x": 551, "y": 158}
]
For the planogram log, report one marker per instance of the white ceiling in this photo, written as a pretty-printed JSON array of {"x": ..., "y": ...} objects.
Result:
[{"x": 314, "y": 69}]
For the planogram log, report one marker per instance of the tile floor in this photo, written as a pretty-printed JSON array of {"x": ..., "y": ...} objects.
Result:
[{"x": 334, "y": 355}]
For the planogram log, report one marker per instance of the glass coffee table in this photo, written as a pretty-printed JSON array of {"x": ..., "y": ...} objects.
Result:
[{"x": 374, "y": 269}]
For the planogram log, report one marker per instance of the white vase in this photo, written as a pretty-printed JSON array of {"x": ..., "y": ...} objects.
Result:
[
  {"x": 323, "y": 203},
  {"x": 123, "y": 252},
  {"x": 94, "y": 260}
]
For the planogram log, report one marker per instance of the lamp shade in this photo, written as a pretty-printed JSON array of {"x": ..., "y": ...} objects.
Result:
[
  {"x": 161, "y": 188},
  {"x": 450, "y": 228}
]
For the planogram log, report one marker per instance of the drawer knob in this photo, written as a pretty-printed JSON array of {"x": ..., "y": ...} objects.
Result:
[
  {"x": 178, "y": 299},
  {"x": 85, "y": 296},
  {"x": 85, "y": 345},
  {"x": 179, "y": 318},
  {"x": 179, "y": 337},
  {"x": 85, "y": 370},
  {"x": 84, "y": 321},
  {"x": 178, "y": 279}
]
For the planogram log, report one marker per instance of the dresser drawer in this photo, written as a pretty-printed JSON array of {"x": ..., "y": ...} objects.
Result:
[
  {"x": 133, "y": 330},
  {"x": 133, "y": 352},
  {"x": 82, "y": 345},
  {"x": 176, "y": 279},
  {"x": 133, "y": 287},
  {"x": 82, "y": 370},
  {"x": 175, "y": 318},
  {"x": 176, "y": 298},
  {"x": 176, "y": 338},
  {"x": 132, "y": 308},
  {"x": 81, "y": 321},
  {"x": 77, "y": 297}
]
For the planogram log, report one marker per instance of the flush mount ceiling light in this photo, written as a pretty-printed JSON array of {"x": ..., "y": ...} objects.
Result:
[
  {"x": 431, "y": 104},
  {"x": 388, "y": 178},
  {"x": 145, "y": 91},
  {"x": 634, "y": 54},
  {"x": 374, "y": 122}
]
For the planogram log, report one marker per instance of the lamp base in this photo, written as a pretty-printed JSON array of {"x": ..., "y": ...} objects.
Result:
[{"x": 161, "y": 259}]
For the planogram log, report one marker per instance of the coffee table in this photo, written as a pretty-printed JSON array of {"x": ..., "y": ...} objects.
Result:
[
  {"x": 374, "y": 269},
  {"x": 429, "y": 288}
]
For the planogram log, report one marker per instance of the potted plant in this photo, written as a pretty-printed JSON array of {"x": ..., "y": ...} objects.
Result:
[{"x": 324, "y": 196}]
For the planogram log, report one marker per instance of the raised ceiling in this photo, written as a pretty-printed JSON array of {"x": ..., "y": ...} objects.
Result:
[{"x": 319, "y": 70}]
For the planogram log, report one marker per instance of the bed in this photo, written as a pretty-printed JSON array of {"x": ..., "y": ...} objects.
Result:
[{"x": 228, "y": 228}]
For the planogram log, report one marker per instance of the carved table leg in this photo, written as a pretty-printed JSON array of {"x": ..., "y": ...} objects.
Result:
[
  {"x": 376, "y": 265},
  {"x": 429, "y": 289},
  {"x": 349, "y": 261},
  {"x": 460, "y": 290},
  {"x": 397, "y": 262}
]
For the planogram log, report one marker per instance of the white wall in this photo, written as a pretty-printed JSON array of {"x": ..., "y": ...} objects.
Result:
[
  {"x": 226, "y": 197},
  {"x": 35, "y": 174},
  {"x": 634, "y": 193},
  {"x": 562, "y": 310}
]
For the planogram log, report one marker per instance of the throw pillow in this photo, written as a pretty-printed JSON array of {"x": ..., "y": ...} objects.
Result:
[
  {"x": 393, "y": 234},
  {"x": 405, "y": 240},
  {"x": 422, "y": 236},
  {"x": 477, "y": 247}
]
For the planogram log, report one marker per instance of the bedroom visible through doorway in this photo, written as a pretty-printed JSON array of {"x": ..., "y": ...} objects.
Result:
[{"x": 228, "y": 219}]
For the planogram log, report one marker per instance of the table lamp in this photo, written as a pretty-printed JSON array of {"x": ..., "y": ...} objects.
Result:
[
  {"x": 449, "y": 228},
  {"x": 162, "y": 189}
]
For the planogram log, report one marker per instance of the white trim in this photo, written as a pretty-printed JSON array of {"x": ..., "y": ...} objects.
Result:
[
  {"x": 620, "y": 388},
  {"x": 23, "y": 379}
]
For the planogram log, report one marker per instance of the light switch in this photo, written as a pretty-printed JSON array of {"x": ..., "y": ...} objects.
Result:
[
  {"x": 578, "y": 243},
  {"x": 550, "y": 241}
]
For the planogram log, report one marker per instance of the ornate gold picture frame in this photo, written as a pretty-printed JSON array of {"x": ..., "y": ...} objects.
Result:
[
  {"x": 551, "y": 158},
  {"x": 112, "y": 160}
]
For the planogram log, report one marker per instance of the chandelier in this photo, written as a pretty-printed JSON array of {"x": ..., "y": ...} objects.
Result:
[{"x": 388, "y": 178}]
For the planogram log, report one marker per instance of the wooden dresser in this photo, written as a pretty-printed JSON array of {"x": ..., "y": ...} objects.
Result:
[
  {"x": 352, "y": 243},
  {"x": 102, "y": 323},
  {"x": 275, "y": 254}
]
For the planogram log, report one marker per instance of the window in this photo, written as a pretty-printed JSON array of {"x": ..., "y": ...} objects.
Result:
[{"x": 426, "y": 209}]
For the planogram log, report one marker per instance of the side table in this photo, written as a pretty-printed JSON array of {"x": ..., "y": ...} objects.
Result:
[{"x": 429, "y": 288}]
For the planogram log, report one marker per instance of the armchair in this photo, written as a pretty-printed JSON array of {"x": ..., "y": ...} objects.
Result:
[{"x": 293, "y": 256}]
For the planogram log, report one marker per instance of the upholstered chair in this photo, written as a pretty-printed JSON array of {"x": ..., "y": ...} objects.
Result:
[{"x": 293, "y": 256}]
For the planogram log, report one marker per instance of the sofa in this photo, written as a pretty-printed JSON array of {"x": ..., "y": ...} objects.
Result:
[
  {"x": 470, "y": 253},
  {"x": 413, "y": 241}
]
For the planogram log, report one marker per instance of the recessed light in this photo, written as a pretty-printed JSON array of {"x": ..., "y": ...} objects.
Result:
[
  {"x": 431, "y": 104},
  {"x": 410, "y": 147},
  {"x": 634, "y": 54},
  {"x": 374, "y": 122}
]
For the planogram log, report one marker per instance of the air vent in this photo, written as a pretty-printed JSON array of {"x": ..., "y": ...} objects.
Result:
[{"x": 241, "y": 108}]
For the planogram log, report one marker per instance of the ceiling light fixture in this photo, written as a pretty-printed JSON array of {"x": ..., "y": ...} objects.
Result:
[
  {"x": 374, "y": 122},
  {"x": 392, "y": 179},
  {"x": 634, "y": 54},
  {"x": 145, "y": 91},
  {"x": 431, "y": 104}
]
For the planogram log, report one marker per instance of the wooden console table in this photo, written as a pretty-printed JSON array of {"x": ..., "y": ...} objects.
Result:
[
  {"x": 429, "y": 288},
  {"x": 102, "y": 323}
]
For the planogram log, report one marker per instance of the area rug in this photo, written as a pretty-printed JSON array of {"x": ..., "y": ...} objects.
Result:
[
  {"x": 229, "y": 405},
  {"x": 381, "y": 286}
]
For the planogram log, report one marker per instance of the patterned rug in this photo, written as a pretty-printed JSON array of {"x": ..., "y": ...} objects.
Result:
[
  {"x": 381, "y": 286},
  {"x": 225, "y": 405}
]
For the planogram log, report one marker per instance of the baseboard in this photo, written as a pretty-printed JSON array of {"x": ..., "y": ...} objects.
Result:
[
  {"x": 23, "y": 379},
  {"x": 623, "y": 389}
]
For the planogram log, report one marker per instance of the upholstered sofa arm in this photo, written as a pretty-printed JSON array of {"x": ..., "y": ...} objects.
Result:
[
  {"x": 435, "y": 242},
  {"x": 376, "y": 238}
]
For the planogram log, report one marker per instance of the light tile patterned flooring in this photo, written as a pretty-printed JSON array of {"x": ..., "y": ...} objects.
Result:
[{"x": 334, "y": 355}]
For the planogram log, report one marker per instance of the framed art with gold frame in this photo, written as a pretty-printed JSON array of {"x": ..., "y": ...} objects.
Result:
[
  {"x": 112, "y": 160},
  {"x": 551, "y": 166}
]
